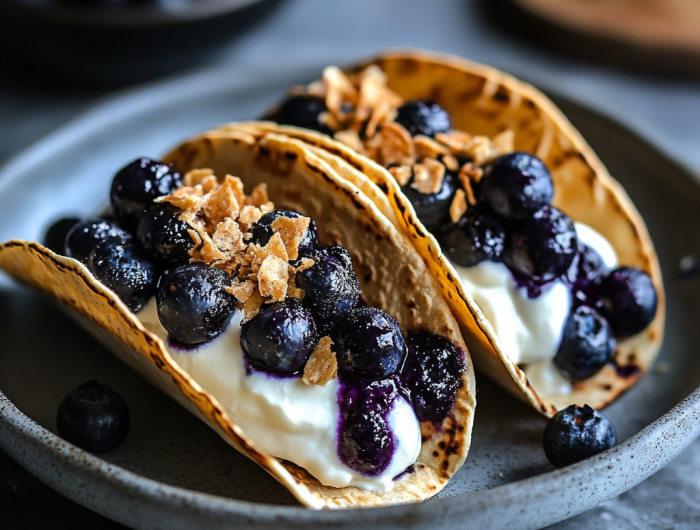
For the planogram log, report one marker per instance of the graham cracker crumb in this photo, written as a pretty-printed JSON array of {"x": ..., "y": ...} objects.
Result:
[
  {"x": 458, "y": 206},
  {"x": 258, "y": 196},
  {"x": 292, "y": 232},
  {"x": 322, "y": 366},
  {"x": 402, "y": 174},
  {"x": 273, "y": 277},
  {"x": 275, "y": 247},
  {"x": 252, "y": 304},
  {"x": 249, "y": 215},
  {"x": 426, "y": 147},
  {"x": 351, "y": 138},
  {"x": 221, "y": 204},
  {"x": 450, "y": 162},
  {"x": 228, "y": 236},
  {"x": 428, "y": 176},
  {"x": 397, "y": 145},
  {"x": 196, "y": 176},
  {"x": 242, "y": 290}
]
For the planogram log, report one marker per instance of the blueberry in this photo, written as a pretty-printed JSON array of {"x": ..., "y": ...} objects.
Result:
[
  {"x": 577, "y": 433},
  {"x": 192, "y": 303},
  {"x": 331, "y": 287},
  {"x": 629, "y": 300},
  {"x": 83, "y": 237},
  {"x": 369, "y": 344},
  {"x": 433, "y": 209},
  {"x": 163, "y": 235},
  {"x": 93, "y": 417},
  {"x": 432, "y": 374},
  {"x": 476, "y": 237},
  {"x": 365, "y": 441},
  {"x": 262, "y": 230},
  {"x": 136, "y": 185},
  {"x": 303, "y": 111},
  {"x": 55, "y": 237},
  {"x": 585, "y": 274},
  {"x": 542, "y": 247},
  {"x": 516, "y": 185},
  {"x": 280, "y": 338},
  {"x": 587, "y": 344},
  {"x": 423, "y": 117}
]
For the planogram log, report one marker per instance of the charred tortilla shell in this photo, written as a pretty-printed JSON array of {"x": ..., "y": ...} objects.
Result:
[
  {"x": 484, "y": 101},
  {"x": 393, "y": 277}
]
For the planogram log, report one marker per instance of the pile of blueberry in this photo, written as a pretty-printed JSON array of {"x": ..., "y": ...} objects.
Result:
[{"x": 514, "y": 223}]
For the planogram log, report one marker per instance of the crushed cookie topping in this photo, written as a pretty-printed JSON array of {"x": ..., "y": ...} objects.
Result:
[
  {"x": 221, "y": 217},
  {"x": 362, "y": 109},
  {"x": 322, "y": 366},
  {"x": 458, "y": 206}
]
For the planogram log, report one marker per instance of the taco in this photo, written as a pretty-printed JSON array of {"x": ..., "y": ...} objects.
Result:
[
  {"x": 254, "y": 325},
  {"x": 575, "y": 316}
]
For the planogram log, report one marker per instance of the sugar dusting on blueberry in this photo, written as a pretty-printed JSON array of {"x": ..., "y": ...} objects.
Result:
[
  {"x": 476, "y": 237},
  {"x": 262, "y": 230},
  {"x": 576, "y": 433},
  {"x": 163, "y": 235},
  {"x": 83, "y": 236},
  {"x": 629, "y": 300},
  {"x": 93, "y": 417}
]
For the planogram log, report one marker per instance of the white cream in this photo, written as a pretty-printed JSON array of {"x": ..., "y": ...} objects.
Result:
[
  {"x": 530, "y": 329},
  {"x": 284, "y": 416}
]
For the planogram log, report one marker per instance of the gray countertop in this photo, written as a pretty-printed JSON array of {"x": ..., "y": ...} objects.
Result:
[{"x": 316, "y": 32}]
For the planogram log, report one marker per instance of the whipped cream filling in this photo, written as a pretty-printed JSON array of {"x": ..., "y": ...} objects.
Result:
[
  {"x": 530, "y": 329},
  {"x": 284, "y": 416}
]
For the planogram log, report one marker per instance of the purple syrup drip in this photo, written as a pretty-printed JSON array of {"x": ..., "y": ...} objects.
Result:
[
  {"x": 181, "y": 347},
  {"x": 409, "y": 470},
  {"x": 626, "y": 371},
  {"x": 432, "y": 374},
  {"x": 365, "y": 441}
]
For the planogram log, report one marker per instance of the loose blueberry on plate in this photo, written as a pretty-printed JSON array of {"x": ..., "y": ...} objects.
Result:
[
  {"x": 192, "y": 304},
  {"x": 331, "y": 287},
  {"x": 369, "y": 344},
  {"x": 55, "y": 238},
  {"x": 262, "y": 230},
  {"x": 83, "y": 237},
  {"x": 433, "y": 209},
  {"x": 93, "y": 417},
  {"x": 629, "y": 300},
  {"x": 303, "y": 111},
  {"x": 366, "y": 443},
  {"x": 476, "y": 237},
  {"x": 424, "y": 117},
  {"x": 281, "y": 337},
  {"x": 125, "y": 269},
  {"x": 577, "y": 433},
  {"x": 543, "y": 246},
  {"x": 136, "y": 185},
  {"x": 163, "y": 235},
  {"x": 515, "y": 185},
  {"x": 432, "y": 374},
  {"x": 587, "y": 344}
]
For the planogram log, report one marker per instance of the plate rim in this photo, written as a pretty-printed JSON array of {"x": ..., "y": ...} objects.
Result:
[{"x": 682, "y": 421}]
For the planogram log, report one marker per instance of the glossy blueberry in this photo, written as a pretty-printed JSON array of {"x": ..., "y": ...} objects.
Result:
[
  {"x": 424, "y": 117},
  {"x": 83, "y": 237},
  {"x": 433, "y": 209},
  {"x": 585, "y": 274},
  {"x": 281, "y": 337},
  {"x": 368, "y": 344},
  {"x": 516, "y": 185},
  {"x": 93, "y": 417},
  {"x": 136, "y": 185},
  {"x": 55, "y": 237},
  {"x": 125, "y": 269},
  {"x": 587, "y": 344},
  {"x": 365, "y": 441},
  {"x": 542, "y": 247},
  {"x": 577, "y": 433},
  {"x": 476, "y": 237},
  {"x": 192, "y": 303},
  {"x": 331, "y": 287},
  {"x": 262, "y": 230},
  {"x": 303, "y": 111},
  {"x": 432, "y": 374},
  {"x": 163, "y": 235},
  {"x": 629, "y": 300}
]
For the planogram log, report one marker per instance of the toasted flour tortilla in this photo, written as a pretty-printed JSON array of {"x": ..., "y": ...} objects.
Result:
[
  {"x": 484, "y": 101},
  {"x": 393, "y": 277}
]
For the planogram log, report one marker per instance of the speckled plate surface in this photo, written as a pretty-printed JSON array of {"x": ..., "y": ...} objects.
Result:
[{"x": 173, "y": 472}]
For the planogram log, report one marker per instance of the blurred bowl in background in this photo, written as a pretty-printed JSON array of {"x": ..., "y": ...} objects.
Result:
[{"x": 120, "y": 41}]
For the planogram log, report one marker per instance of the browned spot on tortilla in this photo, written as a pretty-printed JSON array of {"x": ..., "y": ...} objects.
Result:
[{"x": 501, "y": 95}]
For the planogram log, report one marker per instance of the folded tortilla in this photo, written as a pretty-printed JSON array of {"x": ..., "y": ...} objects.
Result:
[
  {"x": 393, "y": 277},
  {"x": 484, "y": 101}
]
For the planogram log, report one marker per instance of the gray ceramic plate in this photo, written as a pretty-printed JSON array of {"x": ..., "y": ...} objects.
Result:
[{"x": 173, "y": 472}]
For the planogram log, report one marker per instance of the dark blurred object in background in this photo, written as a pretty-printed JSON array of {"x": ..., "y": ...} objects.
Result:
[
  {"x": 658, "y": 37},
  {"x": 119, "y": 41}
]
